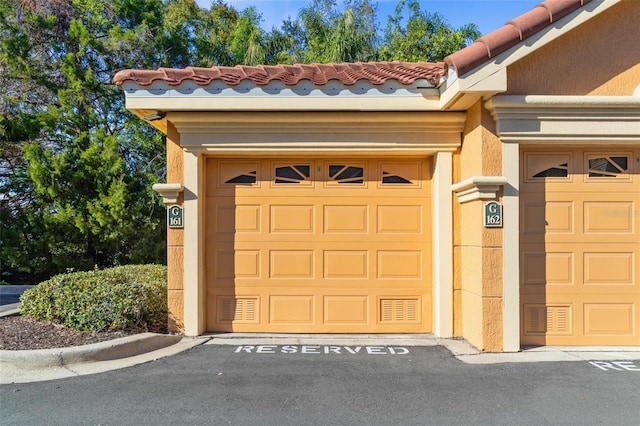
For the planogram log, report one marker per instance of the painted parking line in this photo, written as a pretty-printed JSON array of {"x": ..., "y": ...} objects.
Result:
[
  {"x": 616, "y": 365},
  {"x": 322, "y": 350}
]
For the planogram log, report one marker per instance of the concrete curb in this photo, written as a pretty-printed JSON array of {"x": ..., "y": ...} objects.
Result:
[
  {"x": 29, "y": 374},
  {"x": 49, "y": 364},
  {"x": 103, "y": 351},
  {"x": 9, "y": 310}
]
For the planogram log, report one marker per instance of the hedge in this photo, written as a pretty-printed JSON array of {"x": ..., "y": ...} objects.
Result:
[{"x": 131, "y": 297}]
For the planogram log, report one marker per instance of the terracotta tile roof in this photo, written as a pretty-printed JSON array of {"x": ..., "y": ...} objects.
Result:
[
  {"x": 319, "y": 74},
  {"x": 512, "y": 33},
  {"x": 377, "y": 73}
]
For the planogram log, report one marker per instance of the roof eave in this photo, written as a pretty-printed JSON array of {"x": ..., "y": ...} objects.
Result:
[
  {"x": 191, "y": 97},
  {"x": 490, "y": 78}
]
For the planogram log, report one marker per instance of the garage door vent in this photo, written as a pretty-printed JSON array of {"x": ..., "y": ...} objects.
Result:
[
  {"x": 231, "y": 309},
  {"x": 540, "y": 319},
  {"x": 399, "y": 310}
]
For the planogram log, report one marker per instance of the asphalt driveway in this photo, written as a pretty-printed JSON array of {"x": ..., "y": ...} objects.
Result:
[{"x": 330, "y": 385}]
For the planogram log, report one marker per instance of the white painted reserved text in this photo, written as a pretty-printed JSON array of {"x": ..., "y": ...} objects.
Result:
[{"x": 322, "y": 349}]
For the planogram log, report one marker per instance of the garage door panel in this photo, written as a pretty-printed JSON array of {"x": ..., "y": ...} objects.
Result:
[
  {"x": 339, "y": 285},
  {"x": 333, "y": 258},
  {"x": 400, "y": 219},
  {"x": 346, "y": 264},
  {"x": 540, "y": 267},
  {"x": 334, "y": 310},
  {"x": 319, "y": 246},
  {"x": 542, "y": 318},
  {"x": 580, "y": 249},
  {"x": 581, "y": 218},
  {"x": 346, "y": 309},
  {"x": 292, "y": 218},
  {"x": 346, "y": 219},
  {"x": 601, "y": 238},
  {"x": 542, "y": 219},
  {"x": 609, "y": 268},
  {"x": 608, "y": 217},
  {"x": 298, "y": 218},
  {"x": 292, "y": 264},
  {"x": 233, "y": 309},
  {"x": 223, "y": 216},
  {"x": 228, "y": 264},
  {"x": 586, "y": 268},
  {"x": 292, "y": 310},
  {"x": 400, "y": 264},
  {"x": 610, "y": 319},
  {"x": 590, "y": 320}
]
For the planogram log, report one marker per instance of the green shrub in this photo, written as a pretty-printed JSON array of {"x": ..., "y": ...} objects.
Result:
[{"x": 132, "y": 297}]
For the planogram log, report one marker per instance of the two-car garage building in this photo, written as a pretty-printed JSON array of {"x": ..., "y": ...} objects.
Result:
[{"x": 352, "y": 198}]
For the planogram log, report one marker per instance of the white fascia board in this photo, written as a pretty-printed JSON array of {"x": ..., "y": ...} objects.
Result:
[
  {"x": 276, "y": 96},
  {"x": 461, "y": 96},
  {"x": 490, "y": 78}
]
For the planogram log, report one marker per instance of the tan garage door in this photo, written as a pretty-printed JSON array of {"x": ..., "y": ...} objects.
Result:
[
  {"x": 580, "y": 247},
  {"x": 313, "y": 246}
]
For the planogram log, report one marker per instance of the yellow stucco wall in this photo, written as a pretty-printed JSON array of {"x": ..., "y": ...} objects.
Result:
[
  {"x": 477, "y": 250},
  {"x": 600, "y": 57},
  {"x": 175, "y": 237}
]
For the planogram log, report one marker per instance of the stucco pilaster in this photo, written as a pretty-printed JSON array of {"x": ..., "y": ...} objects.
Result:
[
  {"x": 477, "y": 249},
  {"x": 175, "y": 301},
  {"x": 175, "y": 237}
]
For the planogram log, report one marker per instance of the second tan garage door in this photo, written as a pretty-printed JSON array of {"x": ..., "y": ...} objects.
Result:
[
  {"x": 314, "y": 246},
  {"x": 580, "y": 247}
]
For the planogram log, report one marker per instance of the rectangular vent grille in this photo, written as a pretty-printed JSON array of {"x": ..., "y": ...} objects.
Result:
[
  {"x": 238, "y": 310},
  {"x": 399, "y": 311},
  {"x": 550, "y": 320}
]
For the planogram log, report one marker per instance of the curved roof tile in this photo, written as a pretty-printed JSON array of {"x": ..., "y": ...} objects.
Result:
[
  {"x": 512, "y": 33},
  {"x": 376, "y": 73}
]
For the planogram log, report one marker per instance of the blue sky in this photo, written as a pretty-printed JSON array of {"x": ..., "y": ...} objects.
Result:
[{"x": 489, "y": 15}]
